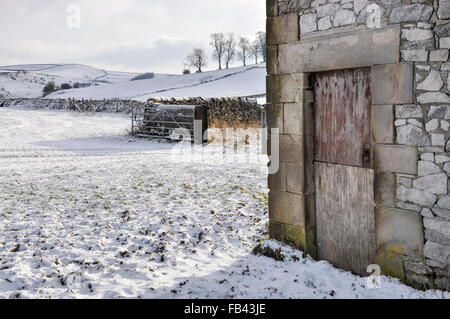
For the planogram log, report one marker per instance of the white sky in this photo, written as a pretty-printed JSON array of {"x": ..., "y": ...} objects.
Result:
[{"x": 123, "y": 35}]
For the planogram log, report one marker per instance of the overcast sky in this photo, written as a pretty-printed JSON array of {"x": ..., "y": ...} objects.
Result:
[{"x": 123, "y": 35}]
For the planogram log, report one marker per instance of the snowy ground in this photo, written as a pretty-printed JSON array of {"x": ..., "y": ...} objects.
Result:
[{"x": 88, "y": 212}]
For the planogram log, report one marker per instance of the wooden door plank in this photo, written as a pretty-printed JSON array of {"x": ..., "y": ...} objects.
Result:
[
  {"x": 353, "y": 221},
  {"x": 345, "y": 216},
  {"x": 343, "y": 117},
  {"x": 346, "y": 221}
]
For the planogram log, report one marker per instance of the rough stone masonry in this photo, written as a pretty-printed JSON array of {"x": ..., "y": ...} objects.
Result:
[{"x": 409, "y": 56}]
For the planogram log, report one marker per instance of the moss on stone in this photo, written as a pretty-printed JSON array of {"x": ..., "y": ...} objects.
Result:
[
  {"x": 391, "y": 262},
  {"x": 295, "y": 236}
]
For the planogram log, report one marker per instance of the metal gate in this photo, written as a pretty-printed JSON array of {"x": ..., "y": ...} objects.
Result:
[
  {"x": 161, "y": 121},
  {"x": 344, "y": 175}
]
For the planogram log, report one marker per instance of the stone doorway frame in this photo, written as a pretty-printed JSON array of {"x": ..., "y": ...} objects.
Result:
[{"x": 291, "y": 64}]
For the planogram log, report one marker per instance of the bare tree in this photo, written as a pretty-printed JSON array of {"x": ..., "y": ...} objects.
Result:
[
  {"x": 218, "y": 43},
  {"x": 197, "y": 59},
  {"x": 230, "y": 49},
  {"x": 243, "y": 50},
  {"x": 254, "y": 50},
  {"x": 261, "y": 37}
]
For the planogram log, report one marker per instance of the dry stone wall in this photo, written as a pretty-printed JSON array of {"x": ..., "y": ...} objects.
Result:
[
  {"x": 296, "y": 29},
  {"x": 223, "y": 112},
  {"x": 112, "y": 105}
]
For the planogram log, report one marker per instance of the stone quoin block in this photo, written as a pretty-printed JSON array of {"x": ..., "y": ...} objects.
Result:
[
  {"x": 399, "y": 83},
  {"x": 282, "y": 29},
  {"x": 288, "y": 88},
  {"x": 393, "y": 84},
  {"x": 341, "y": 51},
  {"x": 288, "y": 208},
  {"x": 304, "y": 80},
  {"x": 272, "y": 89},
  {"x": 396, "y": 159},
  {"x": 275, "y": 117},
  {"x": 291, "y": 148},
  {"x": 272, "y": 59},
  {"x": 383, "y": 124},
  {"x": 295, "y": 174},
  {"x": 385, "y": 188},
  {"x": 399, "y": 231},
  {"x": 278, "y": 181},
  {"x": 293, "y": 118}
]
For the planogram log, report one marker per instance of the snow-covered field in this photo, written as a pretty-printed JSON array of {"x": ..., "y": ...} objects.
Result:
[
  {"x": 88, "y": 212},
  {"x": 240, "y": 81},
  {"x": 28, "y": 80}
]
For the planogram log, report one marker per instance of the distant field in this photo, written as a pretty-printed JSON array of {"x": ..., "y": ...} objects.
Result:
[
  {"x": 29, "y": 80},
  {"x": 234, "y": 82}
]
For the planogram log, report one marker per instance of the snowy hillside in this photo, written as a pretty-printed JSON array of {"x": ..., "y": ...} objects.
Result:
[
  {"x": 242, "y": 81},
  {"x": 29, "y": 80}
]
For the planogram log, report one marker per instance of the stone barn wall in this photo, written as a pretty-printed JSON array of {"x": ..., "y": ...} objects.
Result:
[{"x": 408, "y": 55}]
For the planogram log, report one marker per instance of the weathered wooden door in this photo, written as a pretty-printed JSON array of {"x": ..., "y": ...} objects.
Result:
[{"x": 344, "y": 175}]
